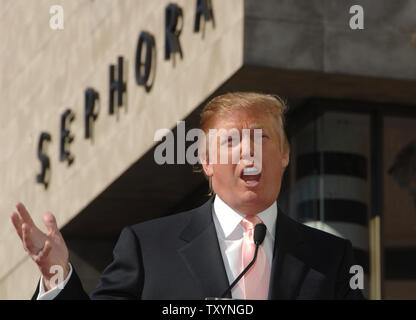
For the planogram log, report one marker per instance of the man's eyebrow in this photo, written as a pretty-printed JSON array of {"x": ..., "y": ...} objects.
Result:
[
  {"x": 256, "y": 126},
  {"x": 252, "y": 126}
]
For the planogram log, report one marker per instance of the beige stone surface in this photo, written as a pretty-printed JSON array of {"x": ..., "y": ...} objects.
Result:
[{"x": 45, "y": 72}]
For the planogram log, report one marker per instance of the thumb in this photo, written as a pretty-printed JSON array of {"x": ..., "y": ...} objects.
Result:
[{"x": 50, "y": 222}]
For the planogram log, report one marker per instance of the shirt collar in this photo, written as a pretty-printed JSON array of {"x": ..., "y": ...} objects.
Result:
[{"x": 229, "y": 219}]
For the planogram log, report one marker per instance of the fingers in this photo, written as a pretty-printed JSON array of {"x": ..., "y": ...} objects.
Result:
[
  {"x": 50, "y": 223},
  {"x": 43, "y": 254},
  {"x": 17, "y": 223},
  {"x": 27, "y": 240},
  {"x": 24, "y": 214}
]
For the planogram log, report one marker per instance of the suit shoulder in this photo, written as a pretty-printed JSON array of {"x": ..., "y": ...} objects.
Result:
[
  {"x": 319, "y": 237},
  {"x": 321, "y": 250},
  {"x": 163, "y": 225}
]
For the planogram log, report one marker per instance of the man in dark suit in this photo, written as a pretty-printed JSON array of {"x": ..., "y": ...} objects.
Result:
[{"x": 197, "y": 254}]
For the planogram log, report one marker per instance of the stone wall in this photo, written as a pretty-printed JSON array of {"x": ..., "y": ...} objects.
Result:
[{"x": 46, "y": 71}]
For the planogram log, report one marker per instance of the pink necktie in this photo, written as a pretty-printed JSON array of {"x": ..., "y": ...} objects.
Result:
[{"x": 256, "y": 280}]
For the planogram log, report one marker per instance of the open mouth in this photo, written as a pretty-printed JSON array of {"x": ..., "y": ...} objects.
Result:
[{"x": 251, "y": 176}]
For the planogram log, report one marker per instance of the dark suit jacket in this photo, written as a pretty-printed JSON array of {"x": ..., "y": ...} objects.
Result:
[{"x": 178, "y": 257}]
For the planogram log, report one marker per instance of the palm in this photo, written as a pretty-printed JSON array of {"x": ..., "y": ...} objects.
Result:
[
  {"x": 46, "y": 250},
  {"x": 58, "y": 254}
]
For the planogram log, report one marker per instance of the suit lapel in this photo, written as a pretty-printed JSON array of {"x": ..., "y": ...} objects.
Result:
[
  {"x": 202, "y": 253},
  {"x": 288, "y": 271}
]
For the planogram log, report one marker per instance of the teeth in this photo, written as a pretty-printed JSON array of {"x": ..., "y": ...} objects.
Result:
[{"x": 252, "y": 171}]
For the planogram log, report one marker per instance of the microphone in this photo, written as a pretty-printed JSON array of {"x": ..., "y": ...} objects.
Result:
[{"x": 259, "y": 235}]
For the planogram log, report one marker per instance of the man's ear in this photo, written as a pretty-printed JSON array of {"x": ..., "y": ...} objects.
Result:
[
  {"x": 286, "y": 153},
  {"x": 285, "y": 159},
  {"x": 204, "y": 160},
  {"x": 207, "y": 167}
]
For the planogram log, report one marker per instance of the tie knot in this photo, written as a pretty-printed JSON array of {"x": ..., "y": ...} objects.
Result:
[{"x": 250, "y": 222}]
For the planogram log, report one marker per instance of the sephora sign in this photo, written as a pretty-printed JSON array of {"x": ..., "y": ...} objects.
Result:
[{"x": 143, "y": 68}]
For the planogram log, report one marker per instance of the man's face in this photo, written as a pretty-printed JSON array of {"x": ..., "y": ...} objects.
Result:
[{"x": 244, "y": 189}]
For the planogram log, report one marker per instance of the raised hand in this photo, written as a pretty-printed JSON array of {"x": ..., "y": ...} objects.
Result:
[{"x": 47, "y": 250}]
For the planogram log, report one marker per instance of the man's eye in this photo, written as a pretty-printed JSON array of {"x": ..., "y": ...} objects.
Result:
[{"x": 228, "y": 142}]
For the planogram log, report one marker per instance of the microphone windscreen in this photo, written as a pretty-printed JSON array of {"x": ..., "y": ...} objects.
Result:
[{"x": 259, "y": 233}]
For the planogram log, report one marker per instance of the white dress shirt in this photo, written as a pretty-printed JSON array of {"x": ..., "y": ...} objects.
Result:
[
  {"x": 230, "y": 236},
  {"x": 51, "y": 294}
]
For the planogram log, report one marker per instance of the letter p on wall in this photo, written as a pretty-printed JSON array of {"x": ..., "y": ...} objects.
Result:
[{"x": 56, "y": 21}]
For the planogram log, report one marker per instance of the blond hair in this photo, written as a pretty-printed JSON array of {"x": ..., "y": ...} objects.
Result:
[{"x": 267, "y": 104}]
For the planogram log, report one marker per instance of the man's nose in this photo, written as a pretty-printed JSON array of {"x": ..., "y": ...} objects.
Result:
[{"x": 247, "y": 147}]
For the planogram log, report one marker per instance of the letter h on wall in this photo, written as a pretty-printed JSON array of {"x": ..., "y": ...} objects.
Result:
[
  {"x": 66, "y": 137},
  {"x": 116, "y": 85}
]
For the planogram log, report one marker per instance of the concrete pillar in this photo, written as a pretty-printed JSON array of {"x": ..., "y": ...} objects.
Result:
[{"x": 332, "y": 189}]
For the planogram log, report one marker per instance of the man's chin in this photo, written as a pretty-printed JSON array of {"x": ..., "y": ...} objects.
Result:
[
  {"x": 250, "y": 197},
  {"x": 256, "y": 200}
]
